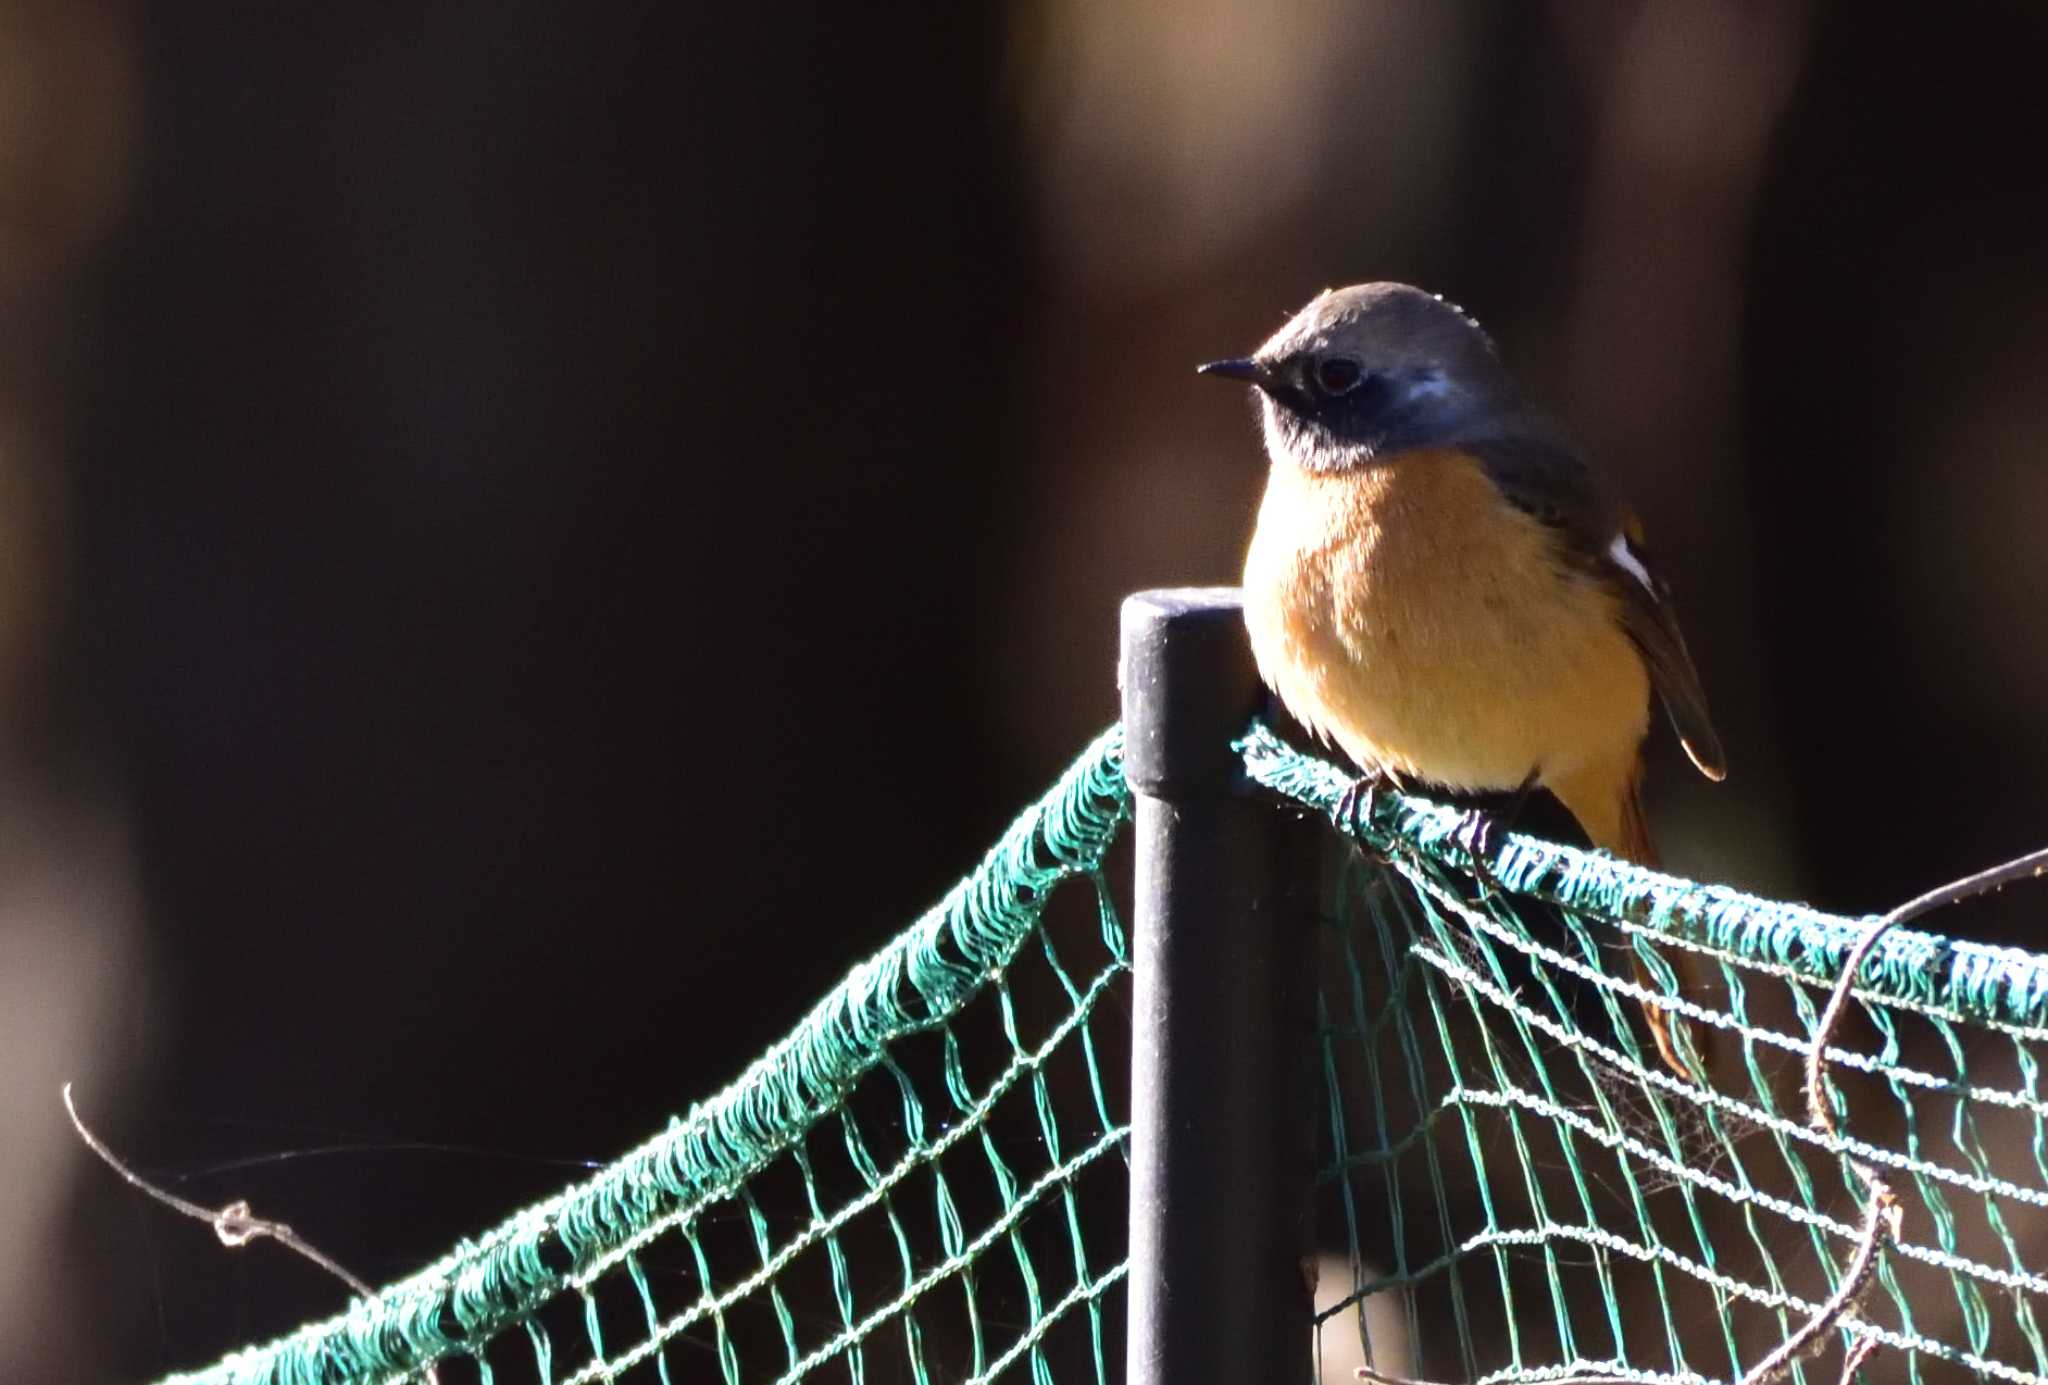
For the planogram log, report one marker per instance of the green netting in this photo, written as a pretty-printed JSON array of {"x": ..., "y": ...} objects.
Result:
[
  {"x": 899, "y": 1190},
  {"x": 1523, "y": 1190},
  {"x": 926, "y": 1180}
]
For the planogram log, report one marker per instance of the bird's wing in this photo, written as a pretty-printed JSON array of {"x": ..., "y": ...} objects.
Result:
[
  {"x": 1602, "y": 536},
  {"x": 1647, "y": 612}
]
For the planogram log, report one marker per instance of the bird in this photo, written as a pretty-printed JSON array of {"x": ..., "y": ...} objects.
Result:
[{"x": 1438, "y": 583}]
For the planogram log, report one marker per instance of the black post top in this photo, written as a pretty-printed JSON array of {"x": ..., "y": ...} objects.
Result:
[
  {"x": 1189, "y": 687},
  {"x": 1223, "y": 1036}
]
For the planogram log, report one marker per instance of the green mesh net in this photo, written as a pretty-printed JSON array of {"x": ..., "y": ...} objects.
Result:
[
  {"x": 897, "y": 1191},
  {"x": 926, "y": 1180},
  {"x": 1525, "y": 1192}
]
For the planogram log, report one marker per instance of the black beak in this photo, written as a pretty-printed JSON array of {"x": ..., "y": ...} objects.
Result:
[{"x": 1239, "y": 368}]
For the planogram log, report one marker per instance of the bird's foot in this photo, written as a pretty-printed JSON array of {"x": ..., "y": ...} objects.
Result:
[
  {"x": 1477, "y": 828},
  {"x": 1475, "y": 834},
  {"x": 1355, "y": 805}
]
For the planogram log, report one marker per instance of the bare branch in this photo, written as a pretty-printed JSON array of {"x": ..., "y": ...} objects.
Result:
[
  {"x": 1881, "y": 1219},
  {"x": 2032, "y": 865},
  {"x": 1853, "y": 1361},
  {"x": 1882, "y": 1213},
  {"x": 1367, "y": 1373},
  {"x": 234, "y": 1224}
]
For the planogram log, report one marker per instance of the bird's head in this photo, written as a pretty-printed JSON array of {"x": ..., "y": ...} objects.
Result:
[{"x": 1368, "y": 371}]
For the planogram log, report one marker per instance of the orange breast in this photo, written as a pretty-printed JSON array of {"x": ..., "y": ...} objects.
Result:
[{"x": 1406, "y": 612}]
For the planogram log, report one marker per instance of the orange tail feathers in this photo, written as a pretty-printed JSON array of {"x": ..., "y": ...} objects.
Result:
[
  {"x": 1608, "y": 802},
  {"x": 1633, "y": 841}
]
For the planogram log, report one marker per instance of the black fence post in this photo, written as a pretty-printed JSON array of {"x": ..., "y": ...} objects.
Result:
[{"x": 1222, "y": 1049}]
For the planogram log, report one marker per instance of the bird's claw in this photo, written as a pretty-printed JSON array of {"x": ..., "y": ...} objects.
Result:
[
  {"x": 1355, "y": 806},
  {"x": 1475, "y": 834}
]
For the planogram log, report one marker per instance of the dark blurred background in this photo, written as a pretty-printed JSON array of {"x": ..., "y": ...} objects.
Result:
[{"x": 532, "y": 535}]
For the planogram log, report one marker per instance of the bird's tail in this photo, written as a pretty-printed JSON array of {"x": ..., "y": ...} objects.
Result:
[
  {"x": 1633, "y": 841},
  {"x": 1671, "y": 1033},
  {"x": 1610, "y": 808}
]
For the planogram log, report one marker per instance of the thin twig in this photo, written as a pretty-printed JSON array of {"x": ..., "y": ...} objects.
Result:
[
  {"x": 2033, "y": 864},
  {"x": 1373, "y": 1377},
  {"x": 1882, "y": 1218},
  {"x": 1857, "y": 1354},
  {"x": 234, "y": 1224},
  {"x": 1882, "y": 1214}
]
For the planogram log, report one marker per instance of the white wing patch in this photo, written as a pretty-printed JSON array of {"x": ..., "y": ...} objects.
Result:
[{"x": 1624, "y": 557}]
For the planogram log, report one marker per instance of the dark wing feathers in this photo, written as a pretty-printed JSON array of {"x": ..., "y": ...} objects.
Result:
[
  {"x": 1653, "y": 625},
  {"x": 1547, "y": 480}
]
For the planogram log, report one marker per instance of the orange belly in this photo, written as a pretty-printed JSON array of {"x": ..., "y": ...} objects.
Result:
[{"x": 1406, "y": 612}]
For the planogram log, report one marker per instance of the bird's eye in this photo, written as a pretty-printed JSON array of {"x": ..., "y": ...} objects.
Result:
[{"x": 1339, "y": 375}]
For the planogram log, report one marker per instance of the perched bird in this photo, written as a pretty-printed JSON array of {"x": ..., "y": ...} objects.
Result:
[{"x": 1442, "y": 587}]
